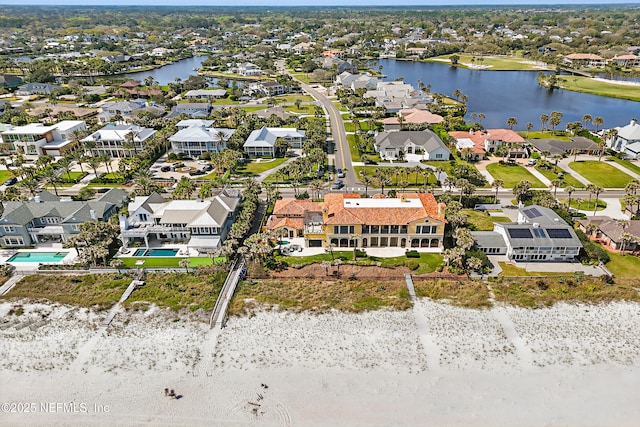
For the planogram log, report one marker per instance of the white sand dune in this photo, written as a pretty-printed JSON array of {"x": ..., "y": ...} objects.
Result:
[{"x": 570, "y": 365}]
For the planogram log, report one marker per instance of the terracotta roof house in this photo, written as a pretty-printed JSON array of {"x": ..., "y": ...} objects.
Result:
[
  {"x": 539, "y": 234},
  {"x": 626, "y": 61},
  {"x": 49, "y": 218},
  {"x": 470, "y": 140},
  {"x": 496, "y": 138},
  {"x": 202, "y": 224},
  {"x": 410, "y": 220},
  {"x": 395, "y": 144},
  {"x": 411, "y": 116},
  {"x": 588, "y": 60},
  {"x": 611, "y": 232}
]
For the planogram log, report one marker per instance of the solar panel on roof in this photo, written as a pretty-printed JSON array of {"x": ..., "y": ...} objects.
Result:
[
  {"x": 558, "y": 233},
  {"x": 520, "y": 233},
  {"x": 539, "y": 232},
  {"x": 532, "y": 213}
]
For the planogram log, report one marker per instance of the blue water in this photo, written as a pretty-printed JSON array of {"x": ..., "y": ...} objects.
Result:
[
  {"x": 47, "y": 257},
  {"x": 162, "y": 252},
  {"x": 139, "y": 252},
  {"x": 164, "y": 75},
  {"x": 503, "y": 94}
]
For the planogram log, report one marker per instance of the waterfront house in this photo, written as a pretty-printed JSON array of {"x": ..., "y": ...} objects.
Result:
[
  {"x": 191, "y": 109},
  {"x": 198, "y": 138},
  {"x": 618, "y": 235},
  {"x": 539, "y": 234},
  {"x": 206, "y": 94},
  {"x": 411, "y": 117},
  {"x": 262, "y": 142},
  {"x": 556, "y": 147},
  {"x": 200, "y": 224},
  {"x": 626, "y": 136},
  {"x": 37, "y": 89},
  {"x": 409, "y": 220},
  {"x": 395, "y": 144},
  {"x": 49, "y": 218}
]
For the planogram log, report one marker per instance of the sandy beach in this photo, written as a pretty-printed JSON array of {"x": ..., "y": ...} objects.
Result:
[{"x": 439, "y": 365}]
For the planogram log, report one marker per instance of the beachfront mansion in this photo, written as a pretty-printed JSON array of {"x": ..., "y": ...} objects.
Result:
[{"x": 411, "y": 220}]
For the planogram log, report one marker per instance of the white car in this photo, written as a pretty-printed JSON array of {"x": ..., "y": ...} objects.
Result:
[{"x": 203, "y": 162}]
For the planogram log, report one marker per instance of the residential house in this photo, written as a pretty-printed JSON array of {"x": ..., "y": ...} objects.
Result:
[
  {"x": 539, "y": 234},
  {"x": 198, "y": 138},
  {"x": 556, "y": 147},
  {"x": 247, "y": 69},
  {"x": 626, "y": 61},
  {"x": 626, "y": 136},
  {"x": 514, "y": 143},
  {"x": 346, "y": 220},
  {"x": 110, "y": 111},
  {"x": 37, "y": 89},
  {"x": 36, "y": 139},
  {"x": 397, "y": 144},
  {"x": 272, "y": 88},
  {"x": 470, "y": 144},
  {"x": 612, "y": 233},
  {"x": 201, "y": 224},
  {"x": 397, "y": 95},
  {"x": 357, "y": 81},
  {"x": 585, "y": 60},
  {"x": 262, "y": 142},
  {"x": 191, "y": 109},
  {"x": 119, "y": 140},
  {"x": 409, "y": 117},
  {"x": 49, "y": 218},
  {"x": 206, "y": 94}
]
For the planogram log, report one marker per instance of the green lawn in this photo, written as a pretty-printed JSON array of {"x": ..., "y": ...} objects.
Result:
[
  {"x": 291, "y": 99},
  {"x": 5, "y": 175},
  {"x": 601, "y": 173},
  {"x": 566, "y": 177},
  {"x": 626, "y": 163},
  {"x": 482, "y": 221},
  {"x": 410, "y": 177},
  {"x": 511, "y": 175},
  {"x": 170, "y": 262},
  {"x": 584, "y": 204},
  {"x": 547, "y": 134},
  {"x": 511, "y": 270},
  {"x": 510, "y": 63},
  {"x": 257, "y": 167},
  {"x": 624, "y": 266},
  {"x": 355, "y": 154},
  {"x": 597, "y": 87}
]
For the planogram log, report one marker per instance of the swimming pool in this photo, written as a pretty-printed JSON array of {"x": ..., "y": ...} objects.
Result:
[
  {"x": 155, "y": 252},
  {"x": 46, "y": 257}
]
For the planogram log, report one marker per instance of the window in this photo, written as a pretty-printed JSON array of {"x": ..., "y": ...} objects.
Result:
[
  {"x": 344, "y": 229},
  {"x": 403, "y": 229},
  {"x": 143, "y": 216},
  {"x": 51, "y": 220},
  {"x": 394, "y": 230},
  {"x": 13, "y": 241},
  {"x": 385, "y": 229},
  {"x": 426, "y": 229},
  {"x": 8, "y": 229},
  {"x": 438, "y": 156}
]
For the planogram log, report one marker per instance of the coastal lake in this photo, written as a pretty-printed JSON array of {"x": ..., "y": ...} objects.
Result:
[
  {"x": 167, "y": 74},
  {"x": 503, "y": 94}
]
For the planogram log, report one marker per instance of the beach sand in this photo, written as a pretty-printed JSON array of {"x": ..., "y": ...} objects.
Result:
[{"x": 433, "y": 365}]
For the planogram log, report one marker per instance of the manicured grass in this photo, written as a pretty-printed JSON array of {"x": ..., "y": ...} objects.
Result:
[
  {"x": 257, "y": 167},
  {"x": 510, "y": 63},
  {"x": 303, "y": 77},
  {"x": 601, "y": 174},
  {"x": 428, "y": 262},
  {"x": 584, "y": 204},
  {"x": 179, "y": 291},
  {"x": 410, "y": 177},
  {"x": 5, "y": 175},
  {"x": 511, "y": 175},
  {"x": 511, "y": 270},
  {"x": 320, "y": 295},
  {"x": 547, "y": 134},
  {"x": 100, "y": 291},
  {"x": 566, "y": 177},
  {"x": 471, "y": 294},
  {"x": 597, "y": 87},
  {"x": 633, "y": 167},
  {"x": 546, "y": 292},
  {"x": 253, "y": 108},
  {"x": 291, "y": 99},
  {"x": 170, "y": 262},
  {"x": 353, "y": 149},
  {"x": 624, "y": 266},
  {"x": 349, "y": 127},
  {"x": 482, "y": 221}
]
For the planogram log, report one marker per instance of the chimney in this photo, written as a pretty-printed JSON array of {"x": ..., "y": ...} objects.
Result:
[
  {"x": 124, "y": 222},
  {"x": 92, "y": 214},
  {"x": 37, "y": 199},
  {"x": 471, "y": 132}
]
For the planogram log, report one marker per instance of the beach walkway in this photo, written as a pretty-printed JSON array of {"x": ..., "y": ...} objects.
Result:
[
  {"x": 431, "y": 349},
  {"x": 9, "y": 284},
  {"x": 114, "y": 310},
  {"x": 228, "y": 289}
]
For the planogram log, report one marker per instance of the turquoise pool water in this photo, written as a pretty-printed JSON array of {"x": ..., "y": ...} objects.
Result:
[
  {"x": 155, "y": 252},
  {"x": 46, "y": 257}
]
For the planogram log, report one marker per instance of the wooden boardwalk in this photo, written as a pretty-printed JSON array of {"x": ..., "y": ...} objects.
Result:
[{"x": 228, "y": 289}]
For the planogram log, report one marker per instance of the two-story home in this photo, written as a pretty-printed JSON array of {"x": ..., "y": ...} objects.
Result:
[
  {"x": 37, "y": 89},
  {"x": 119, "y": 140},
  {"x": 205, "y": 94},
  {"x": 627, "y": 137},
  {"x": 262, "y": 142},
  {"x": 200, "y": 224},
  {"x": 539, "y": 234},
  {"x": 49, "y": 218},
  {"x": 346, "y": 220},
  {"x": 121, "y": 110},
  {"x": 191, "y": 109},
  {"x": 36, "y": 139},
  {"x": 393, "y": 145},
  {"x": 197, "y": 138}
]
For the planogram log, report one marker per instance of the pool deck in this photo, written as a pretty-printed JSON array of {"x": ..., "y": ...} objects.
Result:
[
  {"x": 6, "y": 254},
  {"x": 182, "y": 252}
]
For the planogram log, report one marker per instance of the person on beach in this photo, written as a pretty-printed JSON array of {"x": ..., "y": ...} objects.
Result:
[
  {"x": 166, "y": 392},
  {"x": 172, "y": 393}
]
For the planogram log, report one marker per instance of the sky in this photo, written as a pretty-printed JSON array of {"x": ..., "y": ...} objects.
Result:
[{"x": 284, "y": 3}]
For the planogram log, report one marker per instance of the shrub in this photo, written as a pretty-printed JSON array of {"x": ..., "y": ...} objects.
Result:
[
  {"x": 412, "y": 254},
  {"x": 412, "y": 264}
]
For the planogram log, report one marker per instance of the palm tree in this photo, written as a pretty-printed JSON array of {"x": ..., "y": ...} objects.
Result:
[
  {"x": 529, "y": 127},
  {"x": 117, "y": 264},
  {"x": 597, "y": 190},
  {"x": 366, "y": 180},
  {"x": 184, "y": 263},
  {"x": 50, "y": 176},
  {"x": 544, "y": 119},
  {"x": 326, "y": 265},
  {"x": 511, "y": 122},
  {"x": 586, "y": 119},
  {"x": 497, "y": 183},
  {"x": 590, "y": 189},
  {"x": 556, "y": 183},
  {"x": 570, "y": 189},
  {"x": 598, "y": 121},
  {"x": 94, "y": 163}
]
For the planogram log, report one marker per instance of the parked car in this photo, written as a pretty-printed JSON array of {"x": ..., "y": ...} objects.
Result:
[
  {"x": 165, "y": 168},
  {"x": 208, "y": 167},
  {"x": 340, "y": 173},
  {"x": 203, "y": 162},
  {"x": 370, "y": 162},
  {"x": 196, "y": 172},
  {"x": 11, "y": 181},
  {"x": 532, "y": 162},
  {"x": 338, "y": 184}
]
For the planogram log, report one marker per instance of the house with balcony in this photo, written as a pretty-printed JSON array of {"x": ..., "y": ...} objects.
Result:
[
  {"x": 50, "y": 218},
  {"x": 409, "y": 220},
  {"x": 538, "y": 235},
  {"x": 262, "y": 142},
  {"x": 191, "y": 109},
  {"x": 113, "y": 110},
  {"x": 425, "y": 143},
  {"x": 199, "y": 224},
  {"x": 195, "y": 138},
  {"x": 36, "y": 139},
  {"x": 626, "y": 136},
  {"x": 119, "y": 140}
]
